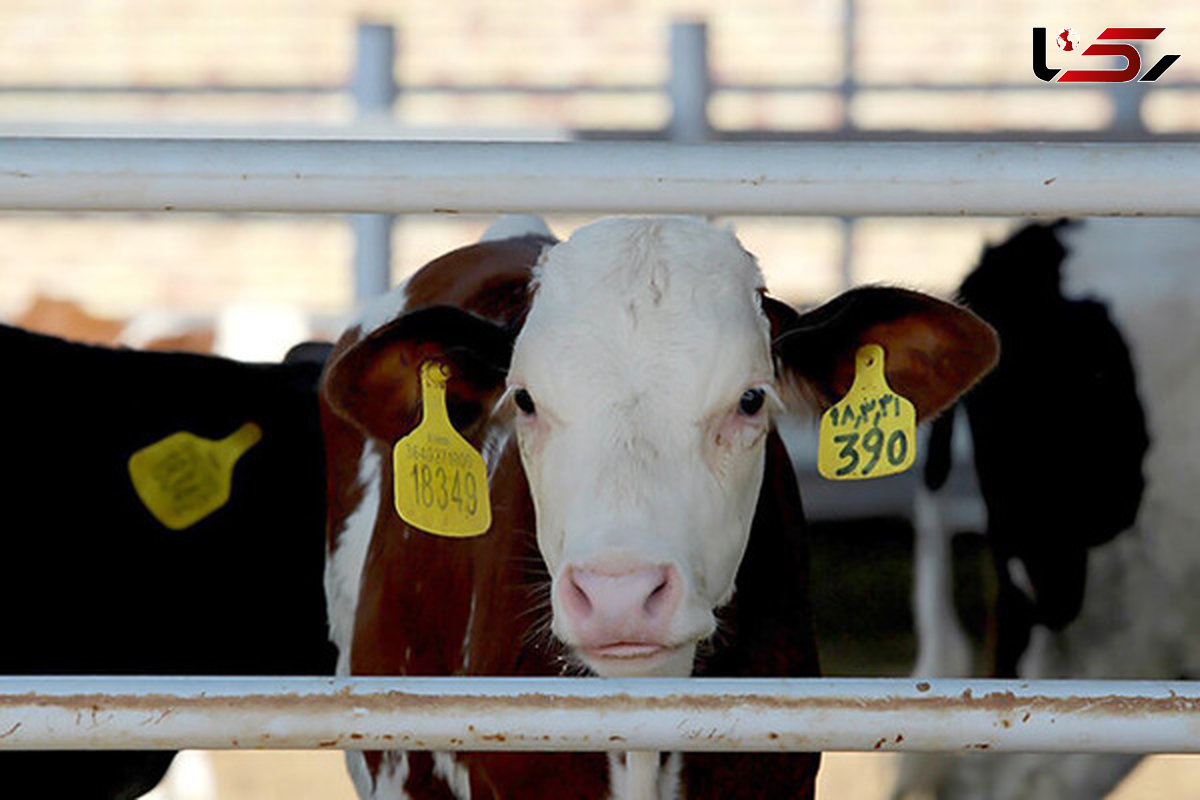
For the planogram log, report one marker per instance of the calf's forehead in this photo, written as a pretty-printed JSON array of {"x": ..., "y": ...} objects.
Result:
[{"x": 627, "y": 306}]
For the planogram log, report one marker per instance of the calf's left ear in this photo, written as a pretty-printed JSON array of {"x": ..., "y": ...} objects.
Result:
[
  {"x": 376, "y": 383},
  {"x": 933, "y": 350}
]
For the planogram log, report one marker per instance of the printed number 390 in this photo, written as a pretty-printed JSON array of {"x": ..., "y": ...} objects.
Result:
[{"x": 872, "y": 448}]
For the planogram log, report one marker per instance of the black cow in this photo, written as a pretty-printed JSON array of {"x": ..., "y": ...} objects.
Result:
[
  {"x": 97, "y": 585},
  {"x": 1059, "y": 435}
]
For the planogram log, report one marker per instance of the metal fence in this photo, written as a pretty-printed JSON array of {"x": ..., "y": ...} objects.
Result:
[
  {"x": 689, "y": 88},
  {"x": 592, "y": 714},
  {"x": 581, "y": 714},
  {"x": 914, "y": 179}
]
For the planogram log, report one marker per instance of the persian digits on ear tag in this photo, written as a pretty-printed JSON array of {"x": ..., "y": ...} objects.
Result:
[
  {"x": 183, "y": 478},
  {"x": 871, "y": 432},
  {"x": 440, "y": 481}
]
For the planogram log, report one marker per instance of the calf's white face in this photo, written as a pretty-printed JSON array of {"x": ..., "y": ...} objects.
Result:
[{"x": 642, "y": 383}]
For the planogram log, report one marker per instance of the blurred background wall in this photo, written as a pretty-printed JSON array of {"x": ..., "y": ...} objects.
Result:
[{"x": 775, "y": 69}]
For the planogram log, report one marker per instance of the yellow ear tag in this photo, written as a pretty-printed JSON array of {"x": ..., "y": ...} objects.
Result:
[
  {"x": 183, "y": 478},
  {"x": 871, "y": 432},
  {"x": 440, "y": 480}
]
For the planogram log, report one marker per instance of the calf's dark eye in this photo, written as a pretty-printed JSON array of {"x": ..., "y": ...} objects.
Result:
[
  {"x": 524, "y": 401},
  {"x": 751, "y": 402}
]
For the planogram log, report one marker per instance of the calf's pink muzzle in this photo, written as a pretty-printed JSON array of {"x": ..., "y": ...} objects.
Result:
[{"x": 619, "y": 610}]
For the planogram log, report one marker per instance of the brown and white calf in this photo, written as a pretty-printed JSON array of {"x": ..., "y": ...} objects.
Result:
[{"x": 621, "y": 386}]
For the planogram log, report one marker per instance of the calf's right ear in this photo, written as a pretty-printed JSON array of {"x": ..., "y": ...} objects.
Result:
[{"x": 376, "y": 385}]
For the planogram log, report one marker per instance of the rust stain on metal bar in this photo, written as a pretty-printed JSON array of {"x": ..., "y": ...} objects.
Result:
[{"x": 162, "y": 704}]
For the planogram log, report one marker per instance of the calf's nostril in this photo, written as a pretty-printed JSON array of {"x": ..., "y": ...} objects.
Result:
[
  {"x": 577, "y": 596},
  {"x": 657, "y": 596}
]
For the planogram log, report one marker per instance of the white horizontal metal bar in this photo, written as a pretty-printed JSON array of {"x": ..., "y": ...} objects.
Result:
[
  {"x": 594, "y": 714},
  {"x": 1010, "y": 179},
  {"x": 529, "y": 89},
  {"x": 916, "y": 88},
  {"x": 387, "y": 129},
  {"x": 136, "y": 89}
]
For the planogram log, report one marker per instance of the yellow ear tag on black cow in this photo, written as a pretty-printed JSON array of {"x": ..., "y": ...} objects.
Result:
[
  {"x": 440, "y": 479},
  {"x": 183, "y": 478},
  {"x": 871, "y": 432}
]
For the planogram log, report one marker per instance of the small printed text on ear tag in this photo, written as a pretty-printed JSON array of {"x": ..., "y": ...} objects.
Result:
[
  {"x": 871, "y": 431},
  {"x": 183, "y": 478},
  {"x": 440, "y": 479}
]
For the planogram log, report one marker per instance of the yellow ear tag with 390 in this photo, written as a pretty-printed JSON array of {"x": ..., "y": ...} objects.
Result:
[
  {"x": 871, "y": 432},
  {"x": 183, "y": 478},
  {"x": 440, "y": 479}
]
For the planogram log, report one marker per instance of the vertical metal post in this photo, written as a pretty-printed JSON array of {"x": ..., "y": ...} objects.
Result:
[
  {"x": 689, "y": 84},
  {"x": 849, "y": 84},
  {"x": 849, "y": 87},
  {"x": 1127, "y": 99},
  {"x": 1127, "y": 109},
  {"x": 374, "y": 89},
  {"x": 846, "y": 267}
]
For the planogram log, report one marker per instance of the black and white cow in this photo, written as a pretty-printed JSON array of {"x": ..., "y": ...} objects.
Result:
[{"x": 1086, "y": 441}]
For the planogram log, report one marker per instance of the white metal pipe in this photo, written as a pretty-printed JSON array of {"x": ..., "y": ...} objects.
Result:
[
  {"x": 689, "y": 85},
  {"x": 374, "y": 88},
  {"x": 372, "y": 254},
  {"x": 594, "y": 714},
  {"x": 374, "y": 82},
  {"x": 600, "y": 177}
]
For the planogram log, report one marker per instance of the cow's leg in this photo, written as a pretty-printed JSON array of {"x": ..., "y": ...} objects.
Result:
[
  {"x": 1124, "y": 631},
  {"x": 942, "y": 648}
]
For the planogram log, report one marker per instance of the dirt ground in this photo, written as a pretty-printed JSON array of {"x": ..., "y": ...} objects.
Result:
[
  {"x": 303, "y": 775},
  {"x": 868, "y": 776}
]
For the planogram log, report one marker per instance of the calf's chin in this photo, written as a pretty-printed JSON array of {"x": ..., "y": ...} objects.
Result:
[{"x": 675, "y": 662}]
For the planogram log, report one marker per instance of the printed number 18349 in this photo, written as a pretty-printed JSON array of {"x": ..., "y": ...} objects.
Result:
[{"x": 433, "y": 486}]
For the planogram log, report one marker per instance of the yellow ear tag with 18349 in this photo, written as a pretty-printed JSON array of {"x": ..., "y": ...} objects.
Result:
[
  {"x": 183, "y": 478},
  {"x": 440, "y": 481},
  {"x": 871, "y": 432}
]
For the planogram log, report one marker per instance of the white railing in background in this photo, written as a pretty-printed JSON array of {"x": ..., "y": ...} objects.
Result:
[
  {"x": 591, "y": 714},
  {"x": 828, "y": 179},
  {"x": 689, "y": 88}
]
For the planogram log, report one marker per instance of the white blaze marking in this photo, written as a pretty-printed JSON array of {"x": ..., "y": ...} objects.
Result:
[
  {"x": 343, "y": 567},
  {"x": 456, "y": 776},
  {"x": 645, "y": 776}
]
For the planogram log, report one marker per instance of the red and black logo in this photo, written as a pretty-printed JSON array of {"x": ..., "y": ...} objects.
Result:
[{"x": 1067, "y": 41}]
